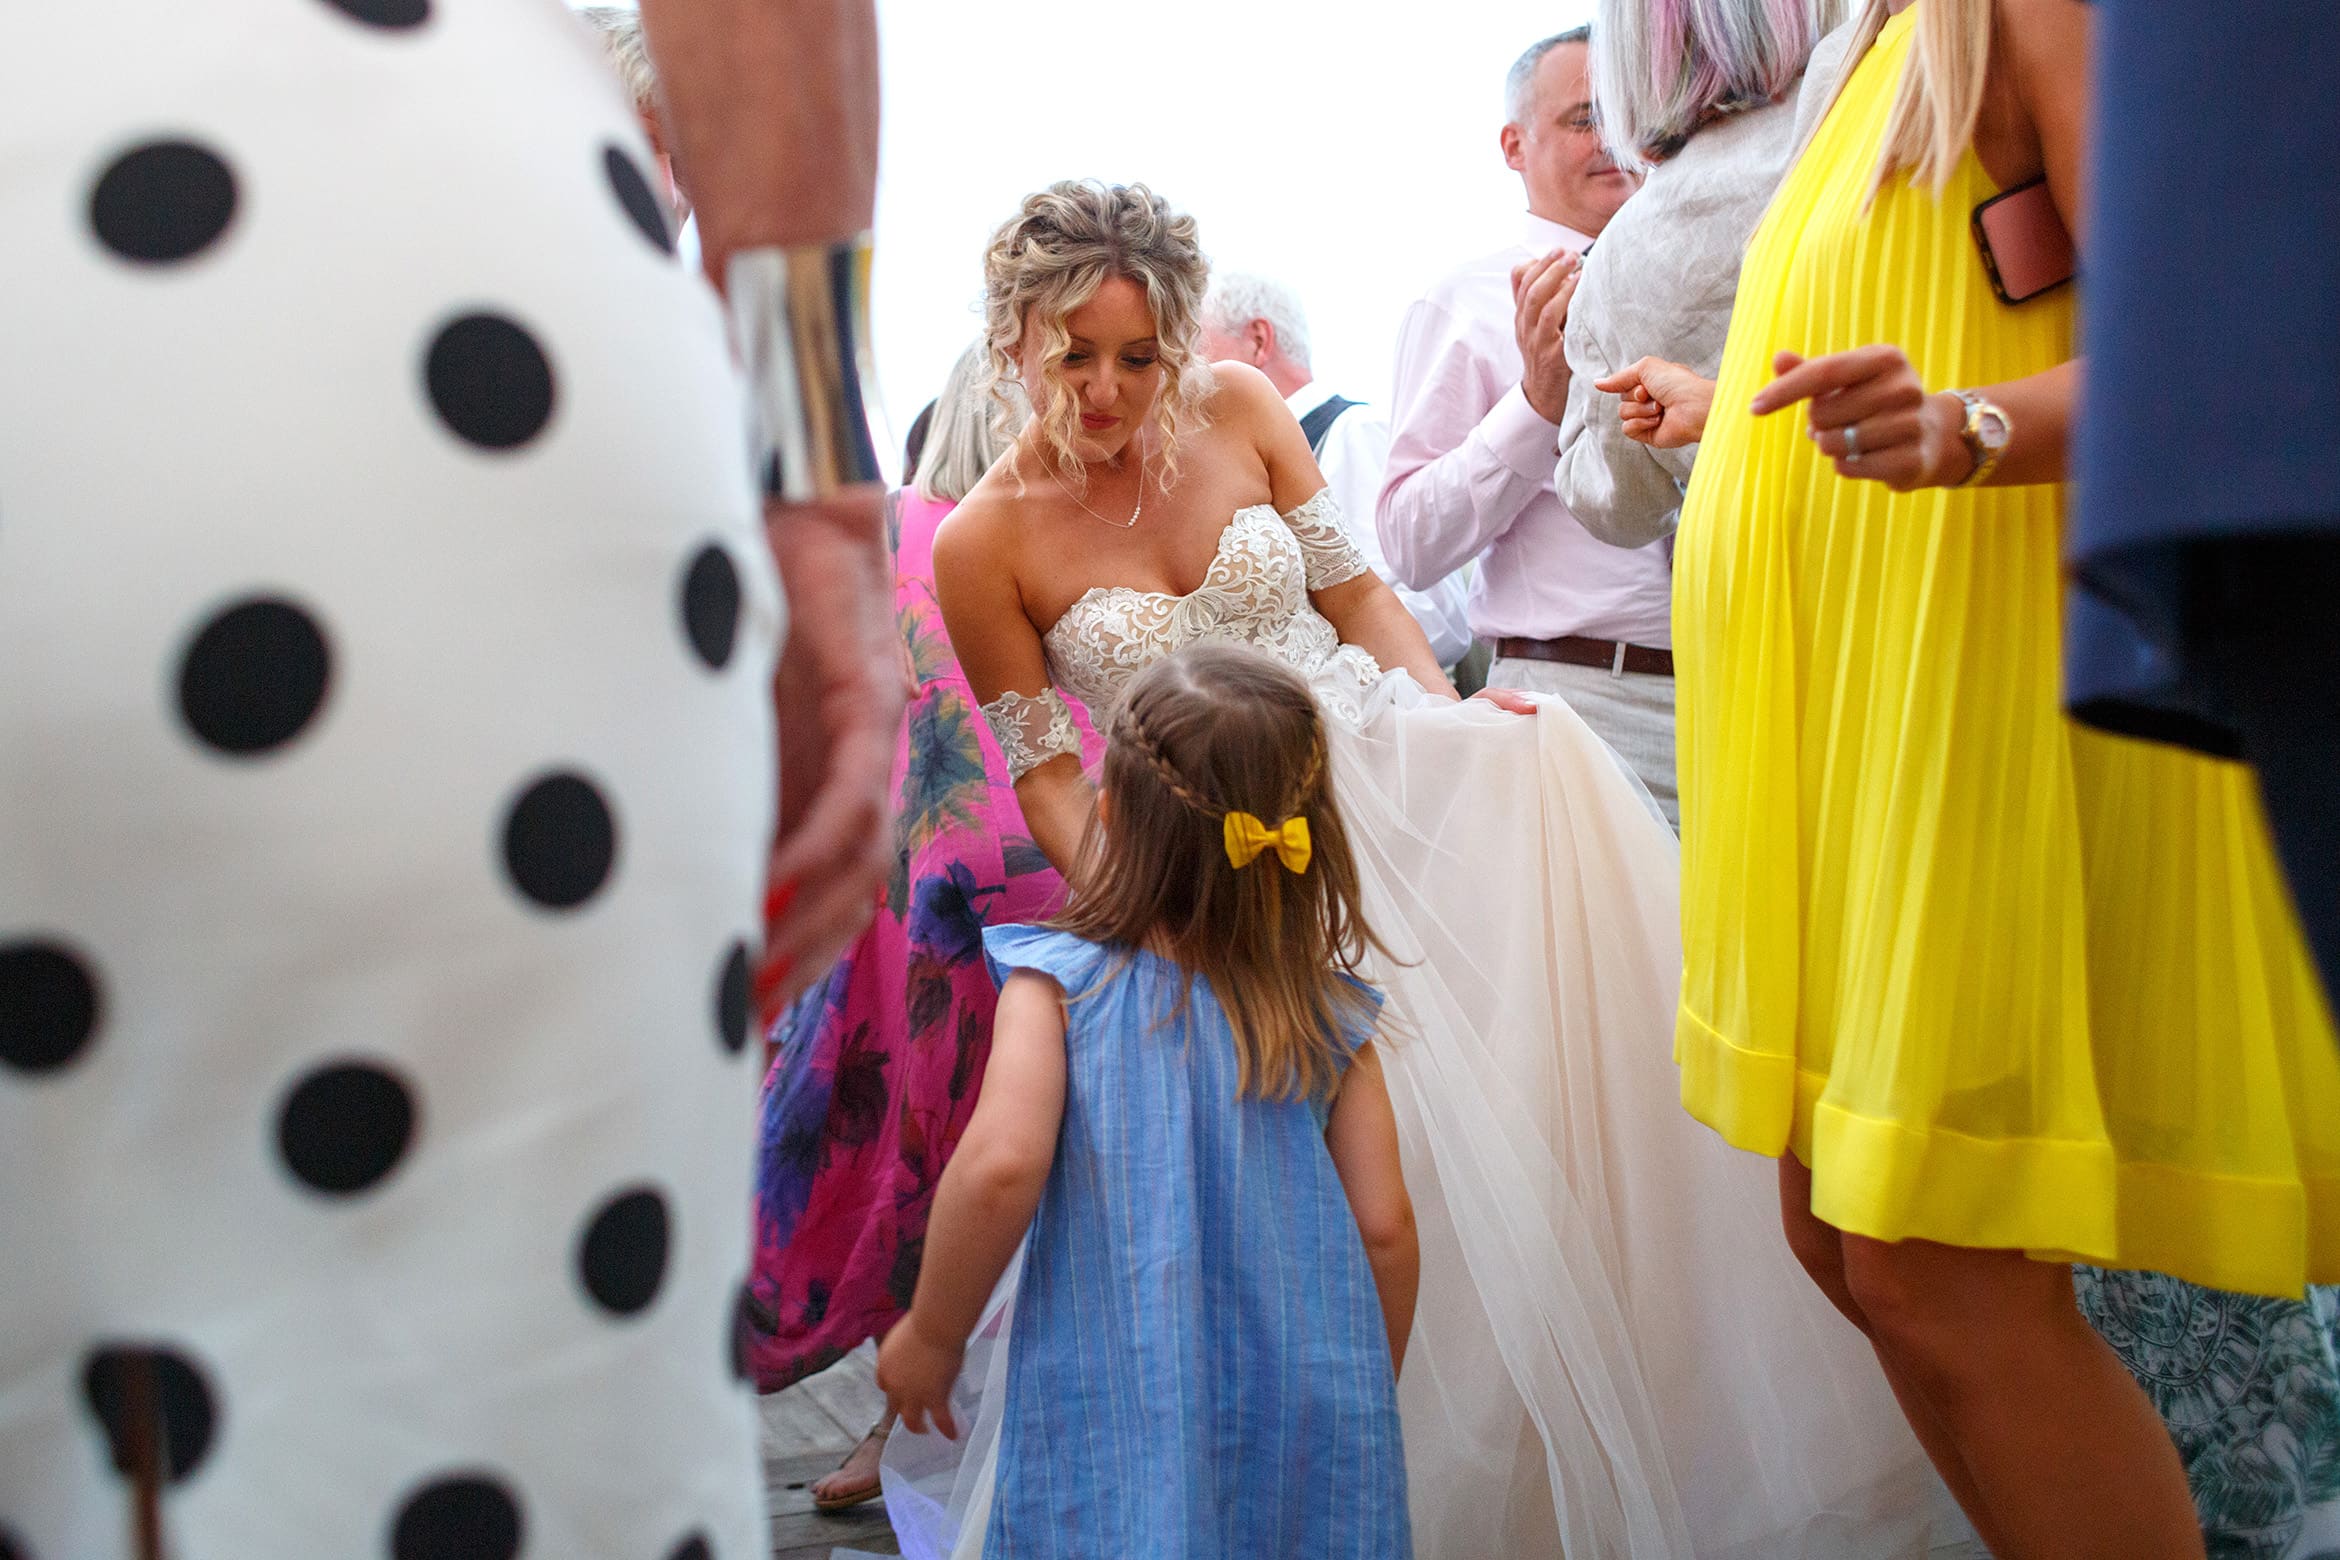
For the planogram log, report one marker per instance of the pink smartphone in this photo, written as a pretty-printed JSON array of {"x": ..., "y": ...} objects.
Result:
[{"x": 2026, "y": 250}]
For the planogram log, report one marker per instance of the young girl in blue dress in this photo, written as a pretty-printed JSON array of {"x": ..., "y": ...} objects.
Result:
[{"x": 1185, "y": 1111}]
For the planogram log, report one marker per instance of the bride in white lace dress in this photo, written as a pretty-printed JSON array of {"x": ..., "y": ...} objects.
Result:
[{"x": 1613, "y": 1354}]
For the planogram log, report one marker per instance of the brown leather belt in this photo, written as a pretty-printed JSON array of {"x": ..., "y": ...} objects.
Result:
[{"x": 1578, "y": 651}]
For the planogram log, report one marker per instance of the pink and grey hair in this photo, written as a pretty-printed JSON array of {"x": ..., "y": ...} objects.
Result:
[
  {"x": 1051, "y": 257},
  {"x": 1663, "y": 69}
]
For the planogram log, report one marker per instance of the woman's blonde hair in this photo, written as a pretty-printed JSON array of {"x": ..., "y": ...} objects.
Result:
[
  {"x": 1941, "y": 94},
  {"x": 1215, "y": 729},
  {"x": 1051, "y": 257},
  {"x": 965, "y": 439}
]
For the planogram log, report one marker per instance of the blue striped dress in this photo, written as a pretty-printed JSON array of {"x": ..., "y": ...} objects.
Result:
[{"x": 1198, "y": 1368}]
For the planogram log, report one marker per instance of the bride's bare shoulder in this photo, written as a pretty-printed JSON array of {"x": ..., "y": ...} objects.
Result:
[
  {"x": 979, "y": 532},
  {"x": 1237, "y": 392}
]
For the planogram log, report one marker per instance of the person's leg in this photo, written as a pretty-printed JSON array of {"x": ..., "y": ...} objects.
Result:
[
  {"x": 2066, "y": 1454},
  {"x": 856, "y": 1478},
  {"x": 1820, "y": 1249}
]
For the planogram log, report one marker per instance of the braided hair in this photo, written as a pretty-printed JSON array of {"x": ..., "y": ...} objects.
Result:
[
  {"x": 1130, "y": 727},
  {"x": 1212, "y": 730}
]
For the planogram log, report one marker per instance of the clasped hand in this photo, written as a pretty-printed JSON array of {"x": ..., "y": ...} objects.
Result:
[
  {"x": 1661, "y": 404},
  {"x": 1541, "y": 291}
]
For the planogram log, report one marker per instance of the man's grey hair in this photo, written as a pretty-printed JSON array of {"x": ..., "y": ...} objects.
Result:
[
  {"x": 1519, "y": 87},
  {"x": 1237, "y": 298},
  {"x": 620, "y": 28}
]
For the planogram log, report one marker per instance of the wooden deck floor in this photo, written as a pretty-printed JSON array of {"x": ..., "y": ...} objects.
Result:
[{"x": 808, "y": 1429}]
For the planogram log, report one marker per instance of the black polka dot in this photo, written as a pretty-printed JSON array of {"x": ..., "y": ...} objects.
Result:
[
  {"x": 116, "y": 1380},
  {"x": 254, "y": 676},
  {"x": 695, "y": 1547},
  {"x": 731, "y": 1000},
  {"x": 345, "y": 1126},
  {"x": 385, "y": 13},
  {"x": 162, "y": 202},
  {"x": 48, "y": 1005},
  {"x": 468, "y": 1516},
  {"x": 622, "y": 1258},
  {"x": 710, "y": 605},
  {"x": 489, "y": 380},
  {"x": 635, "y": 195},
  {"x": 560, "y": 841}
]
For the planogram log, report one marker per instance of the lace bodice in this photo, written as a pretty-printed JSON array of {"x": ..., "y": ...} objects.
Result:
[{"x": 1255, "y": 593}]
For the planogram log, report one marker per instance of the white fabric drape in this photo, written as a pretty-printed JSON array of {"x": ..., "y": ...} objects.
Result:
[{"x": 1614, "y": 1354}]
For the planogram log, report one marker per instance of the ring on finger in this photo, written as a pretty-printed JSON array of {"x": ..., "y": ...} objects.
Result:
[{"x": 1852, "y": 443}]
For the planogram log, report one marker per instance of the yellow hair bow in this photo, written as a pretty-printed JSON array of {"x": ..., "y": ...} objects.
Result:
[{"x": 1247, "y": 837}]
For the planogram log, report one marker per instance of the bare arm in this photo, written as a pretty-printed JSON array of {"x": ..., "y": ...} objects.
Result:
[
  {"x": 1000, "y": 651},
  {"x": 2039, "y": 63},
  {"x": 773, "y": 108},
  {"x": 1365, "y": 612},
  {"x": 1353, "y": 457},
  {"x": 773, "y": 111},
  {"x": 985, "y": 1202},
  {"x": 1362, "y": 1136}
]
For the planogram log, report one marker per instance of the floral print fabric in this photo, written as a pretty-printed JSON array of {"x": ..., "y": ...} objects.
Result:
[
  {"x": 2250, "y": 1390},
  {"x": 875, "y": 1073}
]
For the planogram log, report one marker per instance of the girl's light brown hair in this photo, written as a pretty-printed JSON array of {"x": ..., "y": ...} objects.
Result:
[
  {"x": 1051, "y": 257},
  {"x": 1211, "y": 730}
]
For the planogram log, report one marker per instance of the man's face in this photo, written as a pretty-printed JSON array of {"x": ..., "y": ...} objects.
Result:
[{"x": 1558, "y": 154}]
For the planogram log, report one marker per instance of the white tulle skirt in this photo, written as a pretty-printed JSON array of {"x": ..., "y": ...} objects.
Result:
[{"x": 1614, "y": 1354}]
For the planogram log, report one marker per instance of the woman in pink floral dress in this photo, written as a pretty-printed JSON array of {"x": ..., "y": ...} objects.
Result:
[{"x": 875, "y": 1073}]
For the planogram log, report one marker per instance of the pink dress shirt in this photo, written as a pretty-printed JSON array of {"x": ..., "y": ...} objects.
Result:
[{"x": 1470, "y": 475}]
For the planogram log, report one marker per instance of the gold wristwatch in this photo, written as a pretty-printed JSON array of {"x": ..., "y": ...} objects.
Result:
[{"x": 1985, "y": 434}]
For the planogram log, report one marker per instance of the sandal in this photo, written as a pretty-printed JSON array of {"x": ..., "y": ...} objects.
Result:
[{"x": 860, "y": 1495}]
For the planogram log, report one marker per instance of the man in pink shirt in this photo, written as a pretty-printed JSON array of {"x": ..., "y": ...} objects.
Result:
[{"x": 1482, "y": 382}]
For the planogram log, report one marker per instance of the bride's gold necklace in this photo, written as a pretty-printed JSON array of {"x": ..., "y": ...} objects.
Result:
[{"x": 1131, "y": 522}]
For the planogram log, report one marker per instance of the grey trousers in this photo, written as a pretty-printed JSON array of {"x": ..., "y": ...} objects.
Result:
[{"x": 1633, "y": 712}]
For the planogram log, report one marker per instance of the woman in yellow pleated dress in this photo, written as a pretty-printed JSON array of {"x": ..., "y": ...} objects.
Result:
[{"x": 2001, "y": 992}]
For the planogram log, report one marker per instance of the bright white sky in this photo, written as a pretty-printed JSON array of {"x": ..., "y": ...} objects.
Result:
[{"x": 1345, "y": 147}]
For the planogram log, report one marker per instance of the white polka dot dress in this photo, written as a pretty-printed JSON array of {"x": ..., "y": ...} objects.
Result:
[{"x": 385, "y": 789}]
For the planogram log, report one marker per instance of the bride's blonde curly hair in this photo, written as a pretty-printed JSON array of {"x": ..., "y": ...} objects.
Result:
[{"x": 1051, "y": 257}]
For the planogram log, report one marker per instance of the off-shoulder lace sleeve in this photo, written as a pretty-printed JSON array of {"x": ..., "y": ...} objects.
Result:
[
  {"x": 1332, "y": 558},
  {"x": 1031, "y": 731}
]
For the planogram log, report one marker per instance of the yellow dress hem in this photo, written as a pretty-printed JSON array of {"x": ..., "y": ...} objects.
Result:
[{"x": 2058, "y": 1200}]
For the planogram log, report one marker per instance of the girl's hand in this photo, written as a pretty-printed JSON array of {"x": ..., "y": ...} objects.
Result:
[
  {"x": 915, "y": 1373},
  {"x": 1505, "y": 699},
  {"x": 1662, "y": 404},
  {"x": 1872, "y": 417}
]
